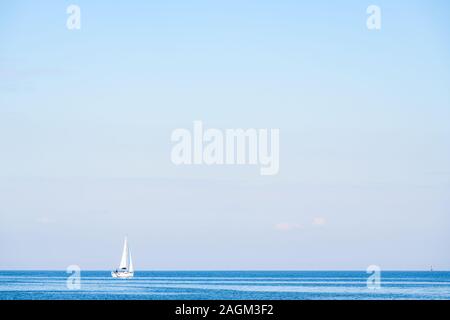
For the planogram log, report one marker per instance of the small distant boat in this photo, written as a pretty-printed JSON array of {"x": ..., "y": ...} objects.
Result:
[
  {"x": 431, "y": 269},
  {"x": 126, "y": 269}
]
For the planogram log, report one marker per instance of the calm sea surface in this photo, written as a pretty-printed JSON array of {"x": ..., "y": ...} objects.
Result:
[{"x": 225, "y": 285}]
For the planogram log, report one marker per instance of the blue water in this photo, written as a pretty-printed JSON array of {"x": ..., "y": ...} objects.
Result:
[{"x": 225, "y": 285}]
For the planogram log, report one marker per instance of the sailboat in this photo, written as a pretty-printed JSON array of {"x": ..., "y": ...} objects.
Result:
[{"x": 126, "y": 269}]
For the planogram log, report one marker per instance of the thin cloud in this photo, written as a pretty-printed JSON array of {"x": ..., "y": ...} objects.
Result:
[
  {"x": 319, "y": 221},
  {"x": 283, "y": 226},
  {"x": 45, "y": 220}
]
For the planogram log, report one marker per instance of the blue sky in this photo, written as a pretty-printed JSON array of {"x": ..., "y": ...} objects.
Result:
[{"x": 86, "y": 118}]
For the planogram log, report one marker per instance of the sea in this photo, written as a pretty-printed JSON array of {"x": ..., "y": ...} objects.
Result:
[{"x": 223, "y": 285}]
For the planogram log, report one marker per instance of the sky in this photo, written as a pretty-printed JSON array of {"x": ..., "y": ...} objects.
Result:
[{"x": 86, "y": 118}]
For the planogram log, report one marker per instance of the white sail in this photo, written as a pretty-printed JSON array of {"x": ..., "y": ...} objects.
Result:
[
  {"x": 124, "y": 260},
  {"x": 130, "y": 267}
]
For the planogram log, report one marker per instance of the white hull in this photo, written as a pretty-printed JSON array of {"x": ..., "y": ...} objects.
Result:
[{"x": 122, "y": 274}]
